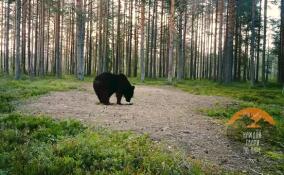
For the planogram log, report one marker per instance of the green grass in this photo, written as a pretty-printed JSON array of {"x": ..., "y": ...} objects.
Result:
[
  {"x": 271, "y": 94},
  {"x": 269, "y": 98},
  {"x": 12, "y": 91},
  {"x": 39, "y": 145}
]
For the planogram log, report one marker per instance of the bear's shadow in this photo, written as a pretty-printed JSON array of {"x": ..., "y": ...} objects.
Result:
[{"x": 115, "y": 104}]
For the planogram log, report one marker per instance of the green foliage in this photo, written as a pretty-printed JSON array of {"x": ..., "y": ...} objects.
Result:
[
  {"x": 271, "y": 94},
  {"x": 39, "y": 145},
  {"x": 272, "y": 137},
  {"x": 12, "y": 90},
  {"x": 269, "y": 98}
]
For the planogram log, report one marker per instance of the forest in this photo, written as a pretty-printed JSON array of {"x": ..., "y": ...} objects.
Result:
[
  {"x": 218, "y": 40},
  {"x": 194, "y": 63}
]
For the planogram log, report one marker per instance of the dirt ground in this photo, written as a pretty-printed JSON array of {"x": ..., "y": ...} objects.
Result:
[{"x": 165, "y": 113}]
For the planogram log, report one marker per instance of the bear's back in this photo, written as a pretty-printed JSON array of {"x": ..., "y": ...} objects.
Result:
[{"x": 107, "y": 81}]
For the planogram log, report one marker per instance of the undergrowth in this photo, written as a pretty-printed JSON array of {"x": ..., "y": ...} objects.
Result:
[
  {"x": 269, "y": 98},
  {"x": 40, "y": 145},
  {"x": 11, "y": 91}
]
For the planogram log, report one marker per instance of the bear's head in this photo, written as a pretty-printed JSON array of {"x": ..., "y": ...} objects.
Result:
[{"x": 128, "y": 94}]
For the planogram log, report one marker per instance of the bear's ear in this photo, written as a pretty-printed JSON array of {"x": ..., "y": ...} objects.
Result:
[{"x": 133, "y": 87}]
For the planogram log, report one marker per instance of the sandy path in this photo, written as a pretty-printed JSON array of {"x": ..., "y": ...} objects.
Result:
[{"x": 166, "y": 113}]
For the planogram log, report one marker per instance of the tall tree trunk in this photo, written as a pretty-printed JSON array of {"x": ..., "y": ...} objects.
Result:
[
  {"x": 171, "y": 40},
  {"x": 220, "y": 38},
  {"x": 142, "y": 27},
  {"x": 197, "y": 32},
  {"x": 30, "y": 65},
  {"x": 240, "y": 55},
  {"x": 155, "y": 42},
  {"x": 47, "y": 43},
  {"x": 193, "y": 41},
  {"x": 18, "y": 44},
  {"x": 237, "y": 42},
  {"x": 246, "y": 55},
  {"x": 80, "y": 39},
  {"x": 161, "y": 41},
  {"x": 148, "y": 42},
  {"x": 129, "y": 46},
  {"x": 6, "y": 60},
  {"x": 41, "y": 38},
  {"x": 100, "y": 31},
  {"x": 105, "y": 38},
  {"x": 72, "y": 47},
  {"x": 210, "y": 49},
  {"x": 184, "y": 43},
  {"x": 281, "y": 56},
  {"x": 180, "y": 48},
  {"x": 36, "y": 39},
  {"x": 264, "y": 43},
  {"x": 258, "y": 43},
  {"x": 118, "y": 59},
  {"x": 90, "y": 46},
  {"x": 136, "y": 41},
  {"x": 252, "y": 56},
  {"x": 152, "y": 40},
  {"x": 228, "y": 50},
  {"x": 113, "y": 37},
  {"x": 215, "y": 41},
  {"x": 24, "y": 22},
  {"x": 58, "y": 58},
  {"x": 2, "y": 38}
]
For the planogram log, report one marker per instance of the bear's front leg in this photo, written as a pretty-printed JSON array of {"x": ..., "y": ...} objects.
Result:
[
  {"x": 106, "y": 101},
  {"x": 118, "y": 97},
  {"x": 105, "y": 98}
]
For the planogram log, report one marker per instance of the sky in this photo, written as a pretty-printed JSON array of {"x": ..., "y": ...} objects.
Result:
[{"x": 273, "y": 12}]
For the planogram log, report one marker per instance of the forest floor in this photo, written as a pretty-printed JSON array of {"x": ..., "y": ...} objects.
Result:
[{"x": 165, "y": 113}]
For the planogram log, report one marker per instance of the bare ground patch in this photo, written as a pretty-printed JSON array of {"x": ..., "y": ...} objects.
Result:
[{"x": 166, "y": 114}]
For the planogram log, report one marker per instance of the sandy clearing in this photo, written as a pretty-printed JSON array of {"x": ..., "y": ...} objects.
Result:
[{"x": 164, "y": 113}]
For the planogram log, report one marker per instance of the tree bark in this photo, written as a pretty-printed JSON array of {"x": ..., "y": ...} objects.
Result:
[
  {"x": 24, "y": 22},
  {"x": 142, "y": 26},
  {"x": 41, "y": 38},
  {"x": 58, "y": 58},
  {"x": 220, "y": 38},
  {"x": 252, "y": 56},
  {"x": 6, "y": 60},
  {"x": 228, "y": 50},
  {"x": 264, "y": 43},
  {"x": 171, "y": 40},
  {"x": 281, "y": 56},
  {"x": 80, "y": 39},
  {"x": 180, "y": 48},
  {"x": 118, "y": 62},
  {"x": 18, "y": 44}
]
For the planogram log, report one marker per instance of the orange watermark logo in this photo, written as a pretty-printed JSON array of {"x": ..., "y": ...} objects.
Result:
[
  {"x": 253, "y": 135},
  {"x": 254, "y": 114}
]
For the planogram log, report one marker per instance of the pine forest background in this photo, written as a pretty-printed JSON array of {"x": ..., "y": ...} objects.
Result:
[{"x": 220, "y": 40}]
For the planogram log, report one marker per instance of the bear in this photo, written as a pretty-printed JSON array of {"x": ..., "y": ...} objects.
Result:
[{"x": 107, "y": 83}]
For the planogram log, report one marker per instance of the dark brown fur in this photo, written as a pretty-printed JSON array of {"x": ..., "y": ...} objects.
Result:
[{"x": 107, "y": 84}]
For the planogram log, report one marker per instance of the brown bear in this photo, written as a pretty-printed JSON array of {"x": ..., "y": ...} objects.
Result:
[{"x": 106, "y": 84}]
